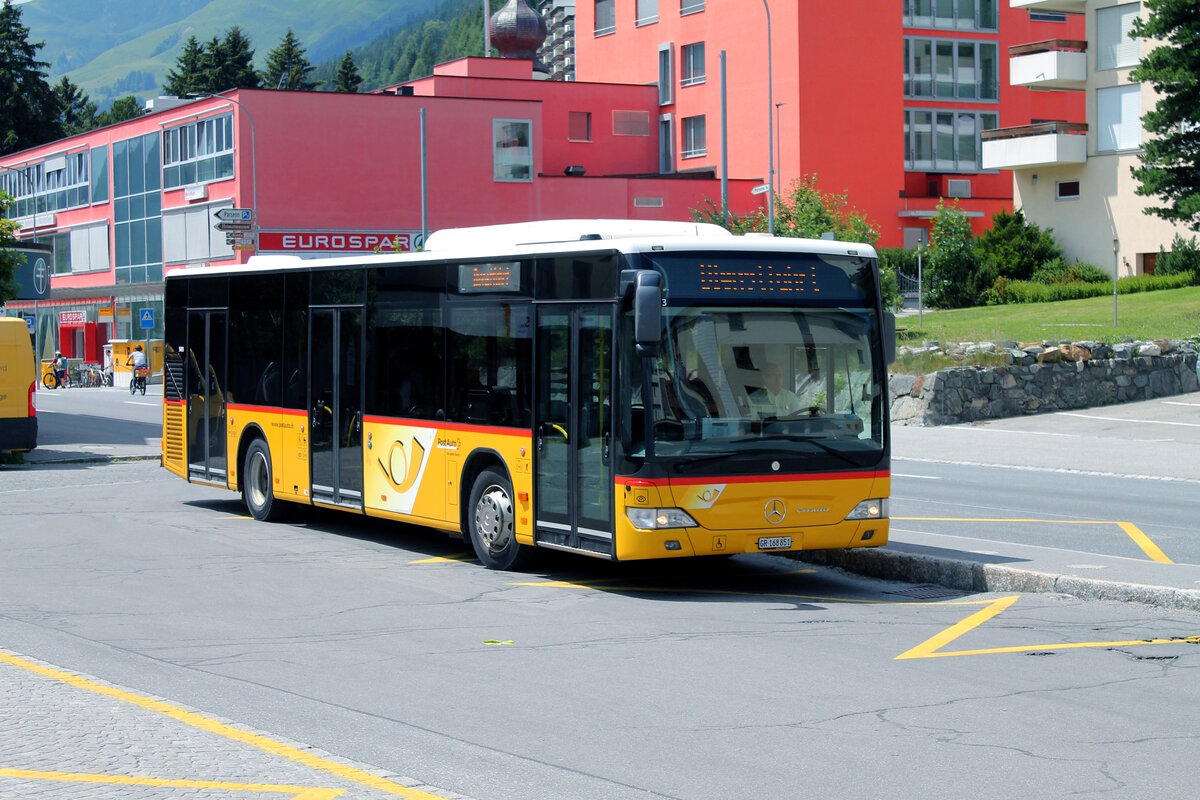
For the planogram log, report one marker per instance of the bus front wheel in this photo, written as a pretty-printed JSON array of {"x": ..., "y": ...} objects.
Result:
[
  {"x": 257, "y": 481},
  {"x": 490, "y": 522}
]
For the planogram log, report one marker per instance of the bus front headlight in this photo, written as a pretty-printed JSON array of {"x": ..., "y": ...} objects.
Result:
[
  {"x": 875, "y": 508},
  {"x": 651, "y": 519}
]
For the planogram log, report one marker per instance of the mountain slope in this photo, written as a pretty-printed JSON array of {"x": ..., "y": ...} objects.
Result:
[{"x": 130, "y": 44}]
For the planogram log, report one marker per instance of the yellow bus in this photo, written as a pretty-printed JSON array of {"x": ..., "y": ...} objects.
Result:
[{"x": 612, "y": 388}]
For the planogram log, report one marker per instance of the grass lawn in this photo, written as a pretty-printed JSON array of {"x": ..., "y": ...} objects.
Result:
[{"x": 1171, "y": 314}]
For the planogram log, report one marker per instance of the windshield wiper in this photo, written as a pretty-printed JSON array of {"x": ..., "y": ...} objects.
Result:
[{"x": 815, "y": 441}]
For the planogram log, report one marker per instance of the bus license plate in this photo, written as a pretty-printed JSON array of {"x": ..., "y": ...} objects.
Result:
[{"x": 774, "y": 543}]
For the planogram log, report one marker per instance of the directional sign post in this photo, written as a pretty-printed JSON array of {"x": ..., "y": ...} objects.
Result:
[
  {"x": 234, "y": 226},
  {"x": 234, "y": 214}
]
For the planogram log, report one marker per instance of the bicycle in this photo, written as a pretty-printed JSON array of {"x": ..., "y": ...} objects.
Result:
[
  {"x": 140, "y": 374},
  {"x": 52, "y": 380}
]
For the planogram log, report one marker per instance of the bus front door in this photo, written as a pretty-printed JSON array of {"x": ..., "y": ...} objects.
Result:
[
  {"x": 574, "y": 479},
  {"x": 335, "y": 403},
  {"x": 206, "y": 396}
]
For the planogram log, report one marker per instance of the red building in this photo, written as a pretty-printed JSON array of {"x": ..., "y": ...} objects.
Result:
[
  {"x": 478, "y": 142},
  {"x": 883, "y": 100}
]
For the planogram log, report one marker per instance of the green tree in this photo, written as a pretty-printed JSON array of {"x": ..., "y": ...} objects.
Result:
[
  {"x": 186, "y": 76},
  {"x": 228, "y": 64},
  {"x": 77, "y": 112},
  {"x": 29, "y": 114},
  {"x": 807, "y": 212},
  {"x": 348, "y": 80},
  {"x": 1014, "y": 248},
  {"x": 10, "y": 259},
  {"x": 1170, "y": 157},
  {"x": 123, "y": 108},
  {"x": 953, "y": 262},
  {"x": 287, "y": 66}
]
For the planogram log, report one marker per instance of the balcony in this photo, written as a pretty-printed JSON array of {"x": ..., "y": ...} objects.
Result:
[
  {"x": 1065, "y": 6},
  {"x": 1041, "y": 145},
  {"x": 1052, "y": 64}
]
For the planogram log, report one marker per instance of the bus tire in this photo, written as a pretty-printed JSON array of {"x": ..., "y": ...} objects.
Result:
[
  {"x": 257, "y": 479},
  {"x": 490, "y": 522}
]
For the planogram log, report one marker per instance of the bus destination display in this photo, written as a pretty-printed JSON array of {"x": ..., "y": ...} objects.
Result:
[
  {"x": 497, "y": 276},
  {"x": 760, "y": 279}
]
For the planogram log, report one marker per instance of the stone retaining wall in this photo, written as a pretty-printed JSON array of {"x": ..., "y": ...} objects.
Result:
[{"x": 1046, "y": 377}]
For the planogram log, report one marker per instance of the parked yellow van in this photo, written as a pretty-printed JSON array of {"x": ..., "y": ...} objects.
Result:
[{"x": 18, "y": 379}]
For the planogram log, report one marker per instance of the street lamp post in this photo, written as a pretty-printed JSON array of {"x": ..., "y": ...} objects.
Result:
[
  {"x": 770, "y": 131},
  {"x": 779, "y": 145}
]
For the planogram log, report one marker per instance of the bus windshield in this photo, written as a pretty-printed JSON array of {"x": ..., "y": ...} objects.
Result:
[{"x": 802, "y": 378}]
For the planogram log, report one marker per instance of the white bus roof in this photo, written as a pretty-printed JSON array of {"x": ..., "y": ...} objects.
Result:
[{"x": 493, "y": 237}]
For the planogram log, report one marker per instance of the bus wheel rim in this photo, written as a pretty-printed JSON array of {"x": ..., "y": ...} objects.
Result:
[
  {"x": 494, "y": 518},
  {"x": 256, "y": 481}
]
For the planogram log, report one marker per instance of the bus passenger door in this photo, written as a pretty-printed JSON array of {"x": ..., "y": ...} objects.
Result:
[
  {"x": 335, "y": 403},
  {"x": 574, "y": 480},
  {"x": 206, "y": 396}
]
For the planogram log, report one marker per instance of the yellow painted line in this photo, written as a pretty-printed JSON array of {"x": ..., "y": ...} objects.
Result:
[
  {"x": 930, "y": 646},
  {"x": 1143, "y": 541},
  {"x": 1140, "y": 539},
  {"x": 445, "y": 559},
  {"x": 297, "y": 792},
  {"x": 201, "y": 722}
]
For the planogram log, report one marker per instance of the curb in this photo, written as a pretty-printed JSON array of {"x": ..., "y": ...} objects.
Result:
[{"x": 972, "y": 576}]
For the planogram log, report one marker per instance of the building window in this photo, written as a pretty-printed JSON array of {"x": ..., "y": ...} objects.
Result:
[
  {"x": 1119, "y": 118},
  {"x": 56, "y": 184},
  {"x": 137, "y": 210},
  {"x": 963, "y": 15},
  {"x": 512, "y": 159},
  {"x": 691, "y": 67},
  {"x": 189, "y": 235},
  {"x": 82, "y": 249},
  {"x": 199, "y": 152},
  {"x": 606, "y": 17},
  {"x": 631, "y": 123},
  {"x": 694, "y": 144},
  {"x": 666, "y": 145},
  {"x": 1115, "y": 45},
  {"x": 100, "y": 174},
  {"x": 579, "y": 126},
  {"x": 666, "y": 74},
  {"x": 690, "y": 6},
  {"x": 647, "y": 12},
  {"x": 1067, "y": 190},
  {"x": 947, "y": 69},
  {"x": 945, "y": 140},
  {"x": 1047, "y": 16}
]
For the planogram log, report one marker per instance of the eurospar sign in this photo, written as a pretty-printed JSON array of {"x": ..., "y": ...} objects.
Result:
[{"x": 338, "y": 241}]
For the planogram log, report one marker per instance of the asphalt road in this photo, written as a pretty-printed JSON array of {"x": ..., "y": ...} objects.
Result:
[{"x": 378, "y": 660}]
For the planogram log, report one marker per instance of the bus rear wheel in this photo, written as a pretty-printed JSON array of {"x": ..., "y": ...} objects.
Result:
[
  {"x": 257, "y": 481},
  {"x": 490, "y": 525}
]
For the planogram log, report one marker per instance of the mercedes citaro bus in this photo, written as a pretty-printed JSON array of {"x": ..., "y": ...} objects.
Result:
[{"x": 618, "y": 389}]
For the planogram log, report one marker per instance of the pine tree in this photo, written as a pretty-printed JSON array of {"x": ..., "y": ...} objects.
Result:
[
  {"x": 228, "y": 64},
  {"x": 287, "y": 66},
  {"x": 29, "y": 114},
  {"x": 186, "y": 77},
  {"x": 10, "y": 259},
  {"x": 348, "y": 80},
  {"x": 77, "y": 111},
  {"x": 123, "y": 108},
  {"x": 1170, "y": 157}
]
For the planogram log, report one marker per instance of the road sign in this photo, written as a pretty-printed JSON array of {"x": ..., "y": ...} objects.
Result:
[
  {"x": 761, "y": 188},
  {"x": 146, "y": 316},
  {"x": 234, "y": 226},
  {"x": 240, "y": 238},
  {"x": 244, "y": 247},
  {"x": 235, "y": 214},
  {"x": 28, "y": 321}
]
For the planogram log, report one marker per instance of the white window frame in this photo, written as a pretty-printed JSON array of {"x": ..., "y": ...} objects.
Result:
[
  {"x": 509, "y": 159},
  {"x": 690, "y": 147},
  {"x": 965, "y": 15},
  {"x": 929, "y": 128},
  {"x": 690, "y": 7},
  {"x": 666, "y": 74},
  {"x": 646, "y": 12},
  {"x": 961, "y": 76},
  {"x": 610, "y": 14},
  {"x": 1119, "y": 118},
  {"x": 1116, "y": 48},
  {"x": 1058, "y": 193},
  {"x": 691, "y": 73}
]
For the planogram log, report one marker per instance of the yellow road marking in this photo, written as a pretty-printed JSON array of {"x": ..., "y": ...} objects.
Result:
[
  {"x": 932, "y": 647},
  {"x": 297, "y": 792},
  {"x": 444, "y": 559},
  {"x": 1140, "y": 539},
  {"x": 201, "y": 722}
]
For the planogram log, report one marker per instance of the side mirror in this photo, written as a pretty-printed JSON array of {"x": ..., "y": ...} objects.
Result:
[
  {"x": 889, "y": 337},
  {"x": 647, "y": 312}
]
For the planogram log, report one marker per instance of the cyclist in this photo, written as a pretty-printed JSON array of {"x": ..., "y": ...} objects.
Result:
[
  {"x": 60, "y": 368},
  {"x": 137, "y": 359}
]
